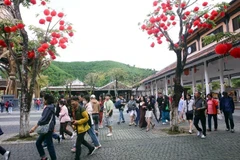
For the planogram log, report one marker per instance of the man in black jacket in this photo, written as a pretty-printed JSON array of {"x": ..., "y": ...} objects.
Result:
[
  {"x": 160, "y": 101},
  {"x": 200, "y": 107}
]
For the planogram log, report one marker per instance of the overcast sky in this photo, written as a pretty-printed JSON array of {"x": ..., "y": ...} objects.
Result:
[{"x": 108, "y": 30}]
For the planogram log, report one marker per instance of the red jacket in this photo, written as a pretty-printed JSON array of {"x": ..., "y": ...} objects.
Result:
[{"x": 215, "y": 106}]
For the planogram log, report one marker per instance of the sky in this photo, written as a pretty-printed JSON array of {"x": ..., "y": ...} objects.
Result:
[{"x": 108, "y": 30}]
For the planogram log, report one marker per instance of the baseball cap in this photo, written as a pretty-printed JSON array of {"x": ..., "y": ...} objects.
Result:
[{"x": 92, "y": 96}]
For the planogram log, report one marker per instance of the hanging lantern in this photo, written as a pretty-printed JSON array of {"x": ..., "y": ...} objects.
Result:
[
  {"x": 195, "y": 69},
  {"x": 186, "y": 71},
  {"x": 146, "y": 87},
  {"x": 235, "y": 52},
  {"x": 221, "y": 49},
  {"x": 168, "y": 81}
]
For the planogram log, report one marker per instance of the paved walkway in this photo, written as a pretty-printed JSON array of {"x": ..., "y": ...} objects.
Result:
[{"x": 132, "y": 143}]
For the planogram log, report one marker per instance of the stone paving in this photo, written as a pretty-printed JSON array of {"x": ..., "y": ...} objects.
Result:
[{"x": 133, "y": 143}]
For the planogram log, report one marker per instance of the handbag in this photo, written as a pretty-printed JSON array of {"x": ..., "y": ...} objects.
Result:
[
  {"x": 41, "y": 130},
  {"x": 188, "y": 112},
  {"x": 1, "y": 132}
]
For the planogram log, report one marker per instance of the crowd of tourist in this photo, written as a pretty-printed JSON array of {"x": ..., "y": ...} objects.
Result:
[{"x": 83, "y": 114}]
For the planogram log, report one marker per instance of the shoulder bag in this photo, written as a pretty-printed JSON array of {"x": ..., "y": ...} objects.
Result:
[{"x": 41, "y": 130}]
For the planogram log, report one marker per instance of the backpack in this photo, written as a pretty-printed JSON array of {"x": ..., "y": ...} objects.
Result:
[
  {"x": 79, "y": 115},
  {"x": 118, "y": 104}
]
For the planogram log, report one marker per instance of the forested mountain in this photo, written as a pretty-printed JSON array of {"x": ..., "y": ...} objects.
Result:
[{"x": 60, "y": 72}]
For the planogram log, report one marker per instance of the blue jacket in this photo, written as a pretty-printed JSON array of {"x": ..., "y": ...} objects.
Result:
[
  {"x": 47, "y": 114},
  {"x": 227, "y": 104}
]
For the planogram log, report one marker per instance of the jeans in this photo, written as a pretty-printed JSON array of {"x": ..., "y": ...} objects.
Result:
[
  {"x": 138, "y": 116},
  {"x": 96, "y": 122},
  {"x": 37, "y": 107},
  {"x": 63, "y": 129},
  {"x": 229, "y": 117},
  {"x": 93, "y": 136},
  {"x": 2, "y": 150},
  {"x": 2, "y": 108},
  {"x": 80, "y": 140},
  {"x": 202, "y": 118},
  {"x": 54, "y": 135},
  {"x": 48, "y": 138},
  {"x": 210, "y": 121},
  {"x": 165, "y": 116},
  {"x": 121, "y": 117}
]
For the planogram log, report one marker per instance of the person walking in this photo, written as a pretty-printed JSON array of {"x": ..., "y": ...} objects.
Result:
[
  {"x": 101, "y": 103},
  {"x": 142, "y": 108},
  {"x": 80, "y": 123},
  {"x": 48, "y": 117},
  {"x": 64, "y": 120},
  {"x": 159, "y": 102},
  {"x": 132, "y": 110},
  {"x": 200, "y": 107},
  {"x": 6, "y": 154},
  {"x": 120, "y": 104},
  {"x": 2, "y": 105},
  {"x": 95, "y": 113},
  {"x": 149, "y": 113},
  {"x": 180, "y": 110},
  {"x": 227, "y": 107},
  {"x": 108, "y": 112},
  {"x": 88, "y": 106},
  {"x": 212, "y": 111},
  {"x": 188, "y": 109},
  {"x": 165, "y": 109}
]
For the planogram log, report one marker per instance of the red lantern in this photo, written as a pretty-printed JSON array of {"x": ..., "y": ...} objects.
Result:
[
  {"x": 221, "y": 49},
  {"x": 168, "y": 81},
  {"x": 195, "y": 69},
  {"x": 186, "y": 72},
  {"x": 235, "y": 52}
]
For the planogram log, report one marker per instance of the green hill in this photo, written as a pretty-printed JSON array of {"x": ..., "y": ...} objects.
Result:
[{"x": 59, "y": 72}]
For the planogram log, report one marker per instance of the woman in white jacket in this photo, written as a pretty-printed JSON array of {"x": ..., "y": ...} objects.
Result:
[
  {"x": 188, "y": 109},
  {"x": 64, "y": 120}
]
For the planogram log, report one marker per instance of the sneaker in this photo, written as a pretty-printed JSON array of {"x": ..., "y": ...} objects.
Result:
[
  {"x": 92, "y": 151},
  {"x": 7, "y": 155},
  {"x": 190, "y": 132},
  {"x": 109, "y": 134},
  {"x": 100, "y": 127},
  {"x": 199, "y": 133},
  {"x": 130, "y": 124},
  {"x": 166, "y": 120},
  {"x": 118, "y": 122},
  {"x": 123, "y": 121},
  {"x": 227, "y": 129},
  {"x": 203, "y": 137},
  {"x": 215, "y": 129},
  {"x": 73, "y": 134},
  {"x": 100, "y": 146},
  {"x": 209, "y": 130},
  {"x": 44, "y": 147},
  {"x": 73, "y": 150},
  {"x": 232, "y": 130},
  {"x": 164, "y": 123}
]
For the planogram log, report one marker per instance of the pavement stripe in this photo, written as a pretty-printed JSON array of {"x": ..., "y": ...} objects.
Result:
[{"x": 16, "y": 116}]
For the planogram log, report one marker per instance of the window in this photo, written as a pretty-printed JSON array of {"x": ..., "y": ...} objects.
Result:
[
  {"x": 218, "y": 30},
  {"x": 236, "y": 23},
  {"x": 192, "y": 48}
]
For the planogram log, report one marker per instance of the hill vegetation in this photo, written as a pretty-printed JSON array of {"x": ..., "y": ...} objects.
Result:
[{"x": 59, "y": 73}]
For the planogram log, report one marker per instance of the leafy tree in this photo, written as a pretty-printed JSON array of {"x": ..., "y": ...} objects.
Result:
[
  {"x": 117, "y": 74},
  {"x": 169, "y": 13},
  {"x": 28, "y": 57},
  {"x": 41, "y": 81},
  {"x": 91, "y": 79}
]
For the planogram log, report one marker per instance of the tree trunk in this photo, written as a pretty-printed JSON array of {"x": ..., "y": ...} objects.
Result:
[
  {"x": 11, "y": 88},
  {"x": 24, "y": 124},
  {"x": 178, "y": 90}
]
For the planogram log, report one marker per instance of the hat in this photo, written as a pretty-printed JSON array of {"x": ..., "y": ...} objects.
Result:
[{"x": 93, "y": 96}]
